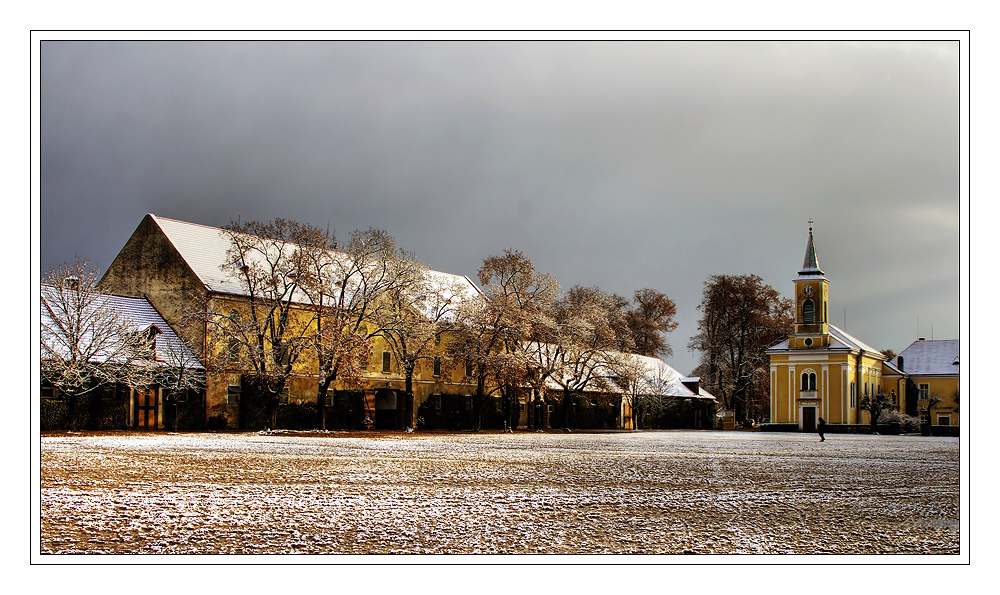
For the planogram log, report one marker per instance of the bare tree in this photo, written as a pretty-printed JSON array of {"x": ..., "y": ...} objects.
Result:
[
  {"x": 86, "y": 344},
  {"x": 262, "y": 334},
  {"x": 586, "y": 335},
  {"x": 496, "y": 328},
  {"x": 932, "y": 402},
  {"x": 645, "y": 383},
  {"x": 347, "y": 286},
  {"x": 414, "y": 317},
  {"x": 741, "y": 318},
  {"x": 180, "y": 370},
  {"x": 875, "y": 404},
  {"x": 651, "y": 317}
]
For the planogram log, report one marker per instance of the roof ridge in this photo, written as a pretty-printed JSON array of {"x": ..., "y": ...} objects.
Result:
[
  {"x": 107, "y": 293},
  {"x": 161, "y": 218}
]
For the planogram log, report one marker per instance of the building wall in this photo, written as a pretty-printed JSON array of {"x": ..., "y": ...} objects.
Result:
[
  {"x": 303, "y": 383},
  {"x": 835, "y": 371},
  {"x": 149, "y": 266},
  {"x": 946, "y": 388},
  {"x": 894, "y": 387}
]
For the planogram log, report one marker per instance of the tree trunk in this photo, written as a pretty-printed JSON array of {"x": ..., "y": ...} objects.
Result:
[
  {"x": 477, "y": 404},
  {"x": 174, "y": 405},
  {"x": 272, "y": 404},
  {"x": 321, "y": 392},
  {"x": 739, "y": 404},
  {"x": 72, "y": 412},
  {"x": 408, "y": 398}
]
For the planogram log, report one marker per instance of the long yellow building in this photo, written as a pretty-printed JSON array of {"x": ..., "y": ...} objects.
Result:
[{"x": 178, "y": 267}]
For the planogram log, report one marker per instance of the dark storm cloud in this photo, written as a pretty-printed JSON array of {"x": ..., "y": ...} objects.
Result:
[{"x": 623, "y": 165}]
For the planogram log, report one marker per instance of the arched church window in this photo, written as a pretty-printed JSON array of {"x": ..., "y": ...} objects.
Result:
[
  {"x": 808, "y": 311},
  {"x": 808, "y": 381}
]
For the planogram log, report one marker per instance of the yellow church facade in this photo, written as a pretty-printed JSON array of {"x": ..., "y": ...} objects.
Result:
[{"x": 821, "y": 371}]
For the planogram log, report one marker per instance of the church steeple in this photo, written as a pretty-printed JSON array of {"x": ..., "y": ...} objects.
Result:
[
  {"x": 811, "y": 299},
  {"x": 810, "y": 265}
]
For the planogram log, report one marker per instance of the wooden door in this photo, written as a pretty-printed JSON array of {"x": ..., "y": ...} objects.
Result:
[
  {"x": 147, "y": 405},
  {"x": 808, "y": 419}
]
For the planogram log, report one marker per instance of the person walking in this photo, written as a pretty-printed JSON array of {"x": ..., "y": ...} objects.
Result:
[{"x": 821, "y": 427}]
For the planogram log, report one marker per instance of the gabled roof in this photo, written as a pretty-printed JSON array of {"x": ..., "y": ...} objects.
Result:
[
  {"x": 931, "y": 358},
  {"x": 839, "y": 340},
  {"x": 140, "y": 315},
  {"x": 204, "y": 249},
  {"x": 659, "y": 378},
  {"x": 847, "y": 341}
]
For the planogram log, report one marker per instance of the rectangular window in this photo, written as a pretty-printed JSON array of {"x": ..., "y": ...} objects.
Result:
[
  {"x": 944, "y": 420},
  {"x": 437, "y": 366},
  {"x": 386, "y": 362},
  {"x": 469, "y": 370},
  {"x": 925, "y": 391},
  {"x": 48, "y": 391},
  {"x": 233, "y": 389}
]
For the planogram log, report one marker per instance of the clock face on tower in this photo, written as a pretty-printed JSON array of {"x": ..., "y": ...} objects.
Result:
[{"x": 808, "y": 290}]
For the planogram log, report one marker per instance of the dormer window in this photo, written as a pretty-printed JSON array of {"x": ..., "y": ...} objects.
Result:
[{"x": 147, "y": 342}]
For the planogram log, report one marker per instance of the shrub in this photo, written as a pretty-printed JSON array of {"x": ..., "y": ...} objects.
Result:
[
  {"x": 216, "y": 423},
  {"x": 297, "y": 416},
  {"x": 779, "y": 427},
  {"x": 346, "y": 410}
]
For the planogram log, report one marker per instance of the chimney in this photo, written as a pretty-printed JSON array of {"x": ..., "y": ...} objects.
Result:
[
  {"x": 899, "y": 362},
  {"x": 72, "y": 282}
]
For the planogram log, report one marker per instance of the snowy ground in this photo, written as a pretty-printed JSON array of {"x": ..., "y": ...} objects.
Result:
[{"x": 639, "y": 493}]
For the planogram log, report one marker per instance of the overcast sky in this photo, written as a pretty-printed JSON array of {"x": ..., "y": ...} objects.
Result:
[{"x": 618, "y": 164}]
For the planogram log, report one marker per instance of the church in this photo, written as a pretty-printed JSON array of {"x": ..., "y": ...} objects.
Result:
[{"x": 820, "y": 370}]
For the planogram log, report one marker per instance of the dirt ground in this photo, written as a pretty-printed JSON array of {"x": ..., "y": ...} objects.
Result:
[{"x": 522, "y": 493}]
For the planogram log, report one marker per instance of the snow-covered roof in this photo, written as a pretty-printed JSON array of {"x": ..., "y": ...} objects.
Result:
[
  {"x": 204, "y": 249},
  {"x": 838, "y": 340},
  {"x": 924, "y": 357},
  {"x": 893, "y": 369},
  {"x": 847, "y": 341},
  {"x": 659, "y": 378},
  {"x": 138, "y": 314}
]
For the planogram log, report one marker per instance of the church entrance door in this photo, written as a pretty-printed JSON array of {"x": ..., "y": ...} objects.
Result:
[{"x": 808, "y": 419}]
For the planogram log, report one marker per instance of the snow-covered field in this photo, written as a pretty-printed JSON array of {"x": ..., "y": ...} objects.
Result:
[{"x": 638, "y": 493}]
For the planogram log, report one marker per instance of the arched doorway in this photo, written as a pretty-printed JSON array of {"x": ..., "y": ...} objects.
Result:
[{"x": 385, "y": 410}]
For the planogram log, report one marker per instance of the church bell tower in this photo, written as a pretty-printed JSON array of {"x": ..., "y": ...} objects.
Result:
[{"x": 812, "y": 322}]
